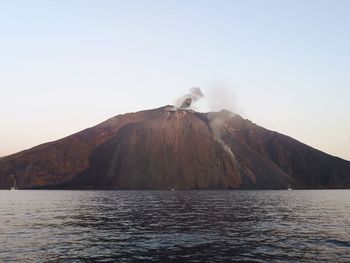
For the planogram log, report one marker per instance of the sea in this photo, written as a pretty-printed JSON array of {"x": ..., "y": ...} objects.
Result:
[{"x": 175, "y": 226}]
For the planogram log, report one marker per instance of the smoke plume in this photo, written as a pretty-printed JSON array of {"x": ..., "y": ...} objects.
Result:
[
  {"x": 222, "y": 103},
  {"x": 187, "y": 100},
  {"x": 220, "y": 98},
  {"x": 217, "y": 124}
]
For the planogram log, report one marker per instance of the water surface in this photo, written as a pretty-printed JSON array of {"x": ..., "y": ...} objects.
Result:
[{"x": 175, "y": 226}]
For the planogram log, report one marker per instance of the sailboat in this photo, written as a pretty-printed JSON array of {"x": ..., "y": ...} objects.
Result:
[
  {"x": 14, "y": 187},
  {"x": 289, "y": 188}
]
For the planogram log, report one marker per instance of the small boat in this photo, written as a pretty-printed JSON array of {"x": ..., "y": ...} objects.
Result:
[
  {"x": 14, "y": 187},
  {"x": 289, "y": 188},
  {"x": 172, "y": 189}
]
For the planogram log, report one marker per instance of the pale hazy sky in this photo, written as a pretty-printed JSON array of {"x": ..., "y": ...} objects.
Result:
[{"x": 66, "y": 65}]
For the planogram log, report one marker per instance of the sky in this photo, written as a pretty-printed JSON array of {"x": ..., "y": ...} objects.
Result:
[{"x": 67, "y": 65}]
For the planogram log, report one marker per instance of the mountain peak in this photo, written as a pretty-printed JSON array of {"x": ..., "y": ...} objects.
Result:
[{"x": 171, "y": 147}]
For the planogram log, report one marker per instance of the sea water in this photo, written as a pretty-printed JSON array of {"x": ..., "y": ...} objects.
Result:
[{"x": 175, "y": 226}]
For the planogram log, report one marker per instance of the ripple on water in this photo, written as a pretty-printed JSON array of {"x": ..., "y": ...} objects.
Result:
[{"x": 195, "y": 226}]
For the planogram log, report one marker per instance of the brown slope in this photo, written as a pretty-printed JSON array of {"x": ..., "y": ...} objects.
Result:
[
  {"x": 301, "y": 165},
  {"x": 162, "y": 149},
  {"x": 172, "y": 150},
  {"x": 60, "y": 161}
]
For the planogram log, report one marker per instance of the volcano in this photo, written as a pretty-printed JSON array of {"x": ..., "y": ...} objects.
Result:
[{"x": 170, "y": 148}]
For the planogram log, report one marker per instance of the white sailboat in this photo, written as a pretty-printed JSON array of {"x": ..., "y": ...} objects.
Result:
[
  {"x": 289, "y": 188},
  {"x": 14, "y": 187}
]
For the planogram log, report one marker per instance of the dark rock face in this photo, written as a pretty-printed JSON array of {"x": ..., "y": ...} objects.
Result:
[{"x": 164, "y": 148}]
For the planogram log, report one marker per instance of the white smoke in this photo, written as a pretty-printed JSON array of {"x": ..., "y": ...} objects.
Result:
[
  {"x": 218, "y": 126},
  {"x": 221, "y": 97},
  {"x": 187, "y": 100}
]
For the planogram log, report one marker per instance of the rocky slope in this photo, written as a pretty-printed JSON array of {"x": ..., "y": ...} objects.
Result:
[{"x": 166, "y": 148}]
